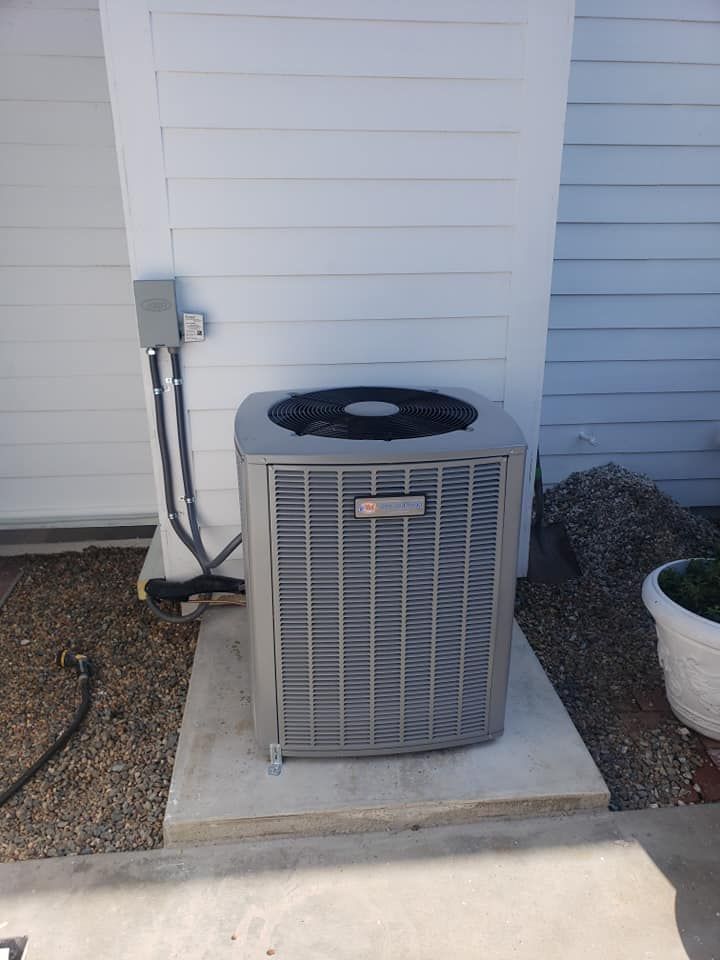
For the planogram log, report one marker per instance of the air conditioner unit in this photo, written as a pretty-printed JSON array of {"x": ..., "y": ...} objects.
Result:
[{"x": 380, "y": 535}]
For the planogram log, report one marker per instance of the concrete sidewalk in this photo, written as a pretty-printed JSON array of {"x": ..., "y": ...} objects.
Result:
[{"x": 611, "y": 886}]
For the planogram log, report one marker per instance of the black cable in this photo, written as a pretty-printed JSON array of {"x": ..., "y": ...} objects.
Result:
[
  {"x": 82, "y": 664},
  {"x": 185, "y": 465},
  {"x": 170, "y": 506}
]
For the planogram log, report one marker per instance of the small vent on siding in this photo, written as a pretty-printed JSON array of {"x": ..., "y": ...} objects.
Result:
[{"x": 385, "y": 626}]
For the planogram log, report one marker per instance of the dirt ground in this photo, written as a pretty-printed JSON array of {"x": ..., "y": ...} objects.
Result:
[{"x": 107, "y": 789}]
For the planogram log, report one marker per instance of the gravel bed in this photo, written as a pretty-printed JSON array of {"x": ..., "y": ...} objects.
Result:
[
  {"x": 597, "y": 642},
  {"x": 107, "y": 789}
]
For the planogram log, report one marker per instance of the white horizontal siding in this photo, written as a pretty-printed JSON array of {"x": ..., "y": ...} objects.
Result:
[
  {"x": 40, "y": 206},
  {"x": 41, "y": 246},
  {"x": 69, "y": 285},
  {"x": 634, "y": 346},
  {"x": 68, "y": 32},
  {"x": 338, "y": 154},
  {"x": 53, "y": 427},
  {"x": 353, "y": 341},
  {"x": 43, "y": 78},
  {"x": 98, "y": 499},
  {"x": 212, "y": 388},
  {"x": 73, "y": 431},
  {"x": 71, "y": 394},
  {"x": 26, "y": 323},
  {"x": 26, "y": 164},
  {"x": 78, "y": 359},
  {"x": 308, "y": 299},
  {"x": 342, "y": 251},
  {"x": 331, "y": 47},
  {"x": 462, "y": 11},
  {"x": 220, "y": 508},
  {"x": 358, "y": 203},
  {"x": 52, "y": 4},
  {"x": 338, "y": 103},
  {"x": 113, "y": 459},
  {"x": 215, "y": 469},
  {"x": 72, "y": 124},
  {"x": 343, "y": 185}
]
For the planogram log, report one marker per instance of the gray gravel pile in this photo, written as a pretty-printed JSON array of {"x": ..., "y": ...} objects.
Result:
[
  {"x": 622, "y": 526},
  {"x": 597, "y": 642},
  {"x": 108, "y": 788}
]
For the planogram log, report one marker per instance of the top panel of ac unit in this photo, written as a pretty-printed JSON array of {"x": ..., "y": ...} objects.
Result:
[{"x": 372, "y": 425}]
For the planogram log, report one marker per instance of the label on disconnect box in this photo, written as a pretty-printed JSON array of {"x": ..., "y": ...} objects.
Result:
[{"x": 193, "y": 327}]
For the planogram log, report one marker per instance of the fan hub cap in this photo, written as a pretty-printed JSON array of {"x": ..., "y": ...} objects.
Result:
[{"x": 372, "y": 408}]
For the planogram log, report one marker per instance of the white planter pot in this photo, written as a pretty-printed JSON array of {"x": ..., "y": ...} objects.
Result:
[{"x": 689, "y": 653}]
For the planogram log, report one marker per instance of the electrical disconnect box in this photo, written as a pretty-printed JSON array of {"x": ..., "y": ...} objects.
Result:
[{"x": 157, "y": 313}]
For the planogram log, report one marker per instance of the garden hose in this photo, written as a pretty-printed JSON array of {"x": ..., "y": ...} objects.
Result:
[{"x": 70, "y": 660}]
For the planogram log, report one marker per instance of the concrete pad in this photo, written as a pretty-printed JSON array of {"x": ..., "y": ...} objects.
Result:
[
  {"x": 221, "y": 790},
  {"x": 620, "y": 886}
]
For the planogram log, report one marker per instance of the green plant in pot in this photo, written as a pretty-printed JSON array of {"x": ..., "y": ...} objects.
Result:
[
  {"x": 697, "y": 588},
  {"x": 684, "y": 600}
]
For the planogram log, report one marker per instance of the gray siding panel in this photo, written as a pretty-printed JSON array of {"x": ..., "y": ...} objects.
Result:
[
  {"x": 645, "y": 40},
  {"x": 73, "y": 432},
  {"x": 633, "y": 361},
  {"x": 650, "y": 9},
  {"x": 652, "y": 310},
  {"x": 639, "y": 164}
]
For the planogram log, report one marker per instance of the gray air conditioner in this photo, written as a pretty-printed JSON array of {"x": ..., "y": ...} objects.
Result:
[{"x": 380, "y": 530}]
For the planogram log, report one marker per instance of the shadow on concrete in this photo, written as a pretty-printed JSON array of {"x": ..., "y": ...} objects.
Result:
[{"x": 618, "y": 886}]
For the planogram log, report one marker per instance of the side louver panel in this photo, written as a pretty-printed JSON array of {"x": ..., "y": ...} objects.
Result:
[{"x": 384, "y": 627}]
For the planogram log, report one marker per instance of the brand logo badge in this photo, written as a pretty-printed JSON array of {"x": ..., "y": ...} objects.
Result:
[
  {"x": 155, "y": 306},
  {"x": 412, "y": 505}
]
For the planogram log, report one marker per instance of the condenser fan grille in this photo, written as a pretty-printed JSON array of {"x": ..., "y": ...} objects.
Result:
[{"x": 372, "y": 413}]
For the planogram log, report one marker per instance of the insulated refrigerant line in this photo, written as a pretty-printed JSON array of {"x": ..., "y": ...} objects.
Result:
[{"x": 192, "y": 540}]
